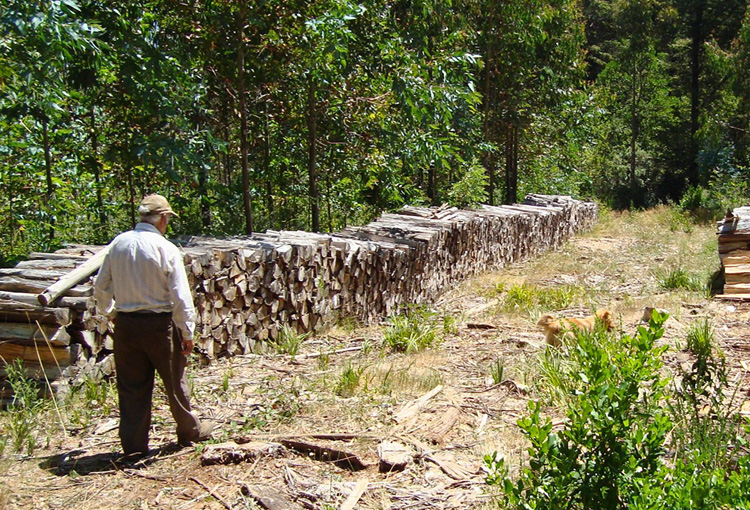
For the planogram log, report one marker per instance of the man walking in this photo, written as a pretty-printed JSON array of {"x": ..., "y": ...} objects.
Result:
[{"x": 143, "y": 280}]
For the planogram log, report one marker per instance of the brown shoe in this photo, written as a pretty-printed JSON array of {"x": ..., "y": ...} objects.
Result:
[{"x": 204, "y": 434}]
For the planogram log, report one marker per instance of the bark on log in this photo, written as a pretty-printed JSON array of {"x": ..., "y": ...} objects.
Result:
[{"x": 73, "y": 278}]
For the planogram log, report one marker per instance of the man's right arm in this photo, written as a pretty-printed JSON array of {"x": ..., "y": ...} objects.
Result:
[{"x": 103, "y": 288}]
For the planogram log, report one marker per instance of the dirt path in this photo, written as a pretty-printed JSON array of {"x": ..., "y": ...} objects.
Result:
[{"x": 346, "y": 384}]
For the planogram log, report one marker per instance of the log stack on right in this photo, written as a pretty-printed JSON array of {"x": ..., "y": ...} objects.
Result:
[{"x": 734, "y": 253}]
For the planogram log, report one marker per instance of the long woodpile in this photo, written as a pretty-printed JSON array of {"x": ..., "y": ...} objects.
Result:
[
  {"x": 734, "y": 252},
  {"x": 248, "y": 290}
]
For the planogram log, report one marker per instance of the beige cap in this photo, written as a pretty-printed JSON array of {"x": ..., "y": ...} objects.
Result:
[{"x": 155, "y": 204}]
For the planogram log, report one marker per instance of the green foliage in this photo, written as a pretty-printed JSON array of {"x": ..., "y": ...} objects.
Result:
[
  {"x": 412, "y": 331},
  {"x": 497, "y": 371},
  {"x": 526, "y": 298},
  {"x": 676, "y": 277},
  {"x": 402, "y": 103},
  {"x": 614, "y": 435},
  {"x": 289, "y": 340},
  {"x": 22, "y": 417},
  {"x": 706, "y": 427},
  {"x": 471, "y": 190},
  {"x": 348, "y": 381},
  {"x": 610, "y": 452}
]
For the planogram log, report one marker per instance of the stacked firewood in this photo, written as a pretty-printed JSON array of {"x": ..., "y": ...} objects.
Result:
[
  {"x": 63, "y": 333},
  {"x": 249, "y": 291},
  {"x": 734, "y": 252}
]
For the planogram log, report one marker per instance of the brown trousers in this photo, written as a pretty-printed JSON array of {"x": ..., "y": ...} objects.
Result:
[{"x": 145, "y": 343}]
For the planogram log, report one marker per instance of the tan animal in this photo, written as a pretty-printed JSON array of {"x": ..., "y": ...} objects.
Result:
[
  {"x": 555, "y": 330},
  {"x": 649, "y": 310}
]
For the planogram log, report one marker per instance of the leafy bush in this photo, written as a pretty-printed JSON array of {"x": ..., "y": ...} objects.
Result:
[
  {"x": 610, "y": 452},
  {"x": 614, "y": 435},
  {"x": 471, "y": 190}
]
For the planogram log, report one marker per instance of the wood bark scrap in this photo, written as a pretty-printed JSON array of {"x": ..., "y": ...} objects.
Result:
[
  {"x": 446, "y": 465},
  {"x": 234, "y": 453},
  {"x": 267, "y": 498},
  {"x": 355, "y": 495},
  {"x": 437, "y": 429},
  {"x": 412, "y": 408},
  {"x": 340, "y": 458},
  {"x": 394, "y": 456},
  {"x": 450, "y": 467},
  {"x": 212, "y": 492}
]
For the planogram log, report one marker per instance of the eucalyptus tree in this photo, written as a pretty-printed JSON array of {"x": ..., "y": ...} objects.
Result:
[
  {"x": 739, "y": 127},
  {"x": 435, "y": 95},
  {"x": 533, "y": 63},
  {"x": 708, "y": 25},
  {"x": 38, "y": 43},
  {"x": 634, "y": 88}
]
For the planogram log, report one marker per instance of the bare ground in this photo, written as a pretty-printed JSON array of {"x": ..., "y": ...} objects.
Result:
[{"x": 344, "y": 391}]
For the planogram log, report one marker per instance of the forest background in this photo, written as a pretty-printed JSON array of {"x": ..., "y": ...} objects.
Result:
[{"x": 289, "y": 114}]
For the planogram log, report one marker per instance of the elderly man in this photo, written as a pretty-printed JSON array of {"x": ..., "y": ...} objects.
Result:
[{"x": 144, "y": 275}]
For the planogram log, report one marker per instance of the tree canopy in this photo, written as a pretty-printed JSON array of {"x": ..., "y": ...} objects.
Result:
[{"x": 258, "y": 114}]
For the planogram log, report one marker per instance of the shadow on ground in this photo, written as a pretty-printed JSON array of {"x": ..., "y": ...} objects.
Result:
[{"x": 76, "y": 461}]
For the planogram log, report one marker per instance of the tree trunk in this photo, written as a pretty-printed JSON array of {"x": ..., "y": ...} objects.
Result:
[
  {"x": 431, "y": 185},
  {"x": 514, "y": 180},
  {"x": 95, "y": 167},
  {"x": 312, "y": 169},
  {"x": 131, "y": 192},
  {"x": 511, "y": 168},
  {"x": 11, "y": 196},
  {"x": 696, "y": 55},
  {"x": 634, "y": 129},
  {"x": 267, "y": 165},
  {"x": 246, "y": 199},
  {"x": 203, "y": 192},
  {"x": 228, "y": 138},
  {"x": 487, "y": 157},
  {"x": 48, "y": 174}
]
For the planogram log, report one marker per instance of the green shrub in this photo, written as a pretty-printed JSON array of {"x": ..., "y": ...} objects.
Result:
[
  {"x": 676, "y": 278},
  {"x": 613, "y": 438},
  {"x": 471, "y": 190},
  {"x": 412, "y": 331},
  {"x": 610, "y": 453}
]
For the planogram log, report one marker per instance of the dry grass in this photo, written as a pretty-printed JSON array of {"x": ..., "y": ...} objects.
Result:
[{"x": 360, "y": 392}]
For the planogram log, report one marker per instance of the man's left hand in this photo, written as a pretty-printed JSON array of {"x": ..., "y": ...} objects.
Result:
[{"x": 187, "y": 347}]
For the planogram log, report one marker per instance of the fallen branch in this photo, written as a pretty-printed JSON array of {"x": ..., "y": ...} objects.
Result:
[
  {"x": 72, "y": 279},
  {"x": 337, "y": 351},
  {"x": 353, "y": 498},
  {"x": 211, "y": 492},
  {"x": 342, "y": 459}
]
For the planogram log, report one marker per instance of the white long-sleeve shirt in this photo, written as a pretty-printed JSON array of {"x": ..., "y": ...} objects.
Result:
[{"x": 143, "y": 271}]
